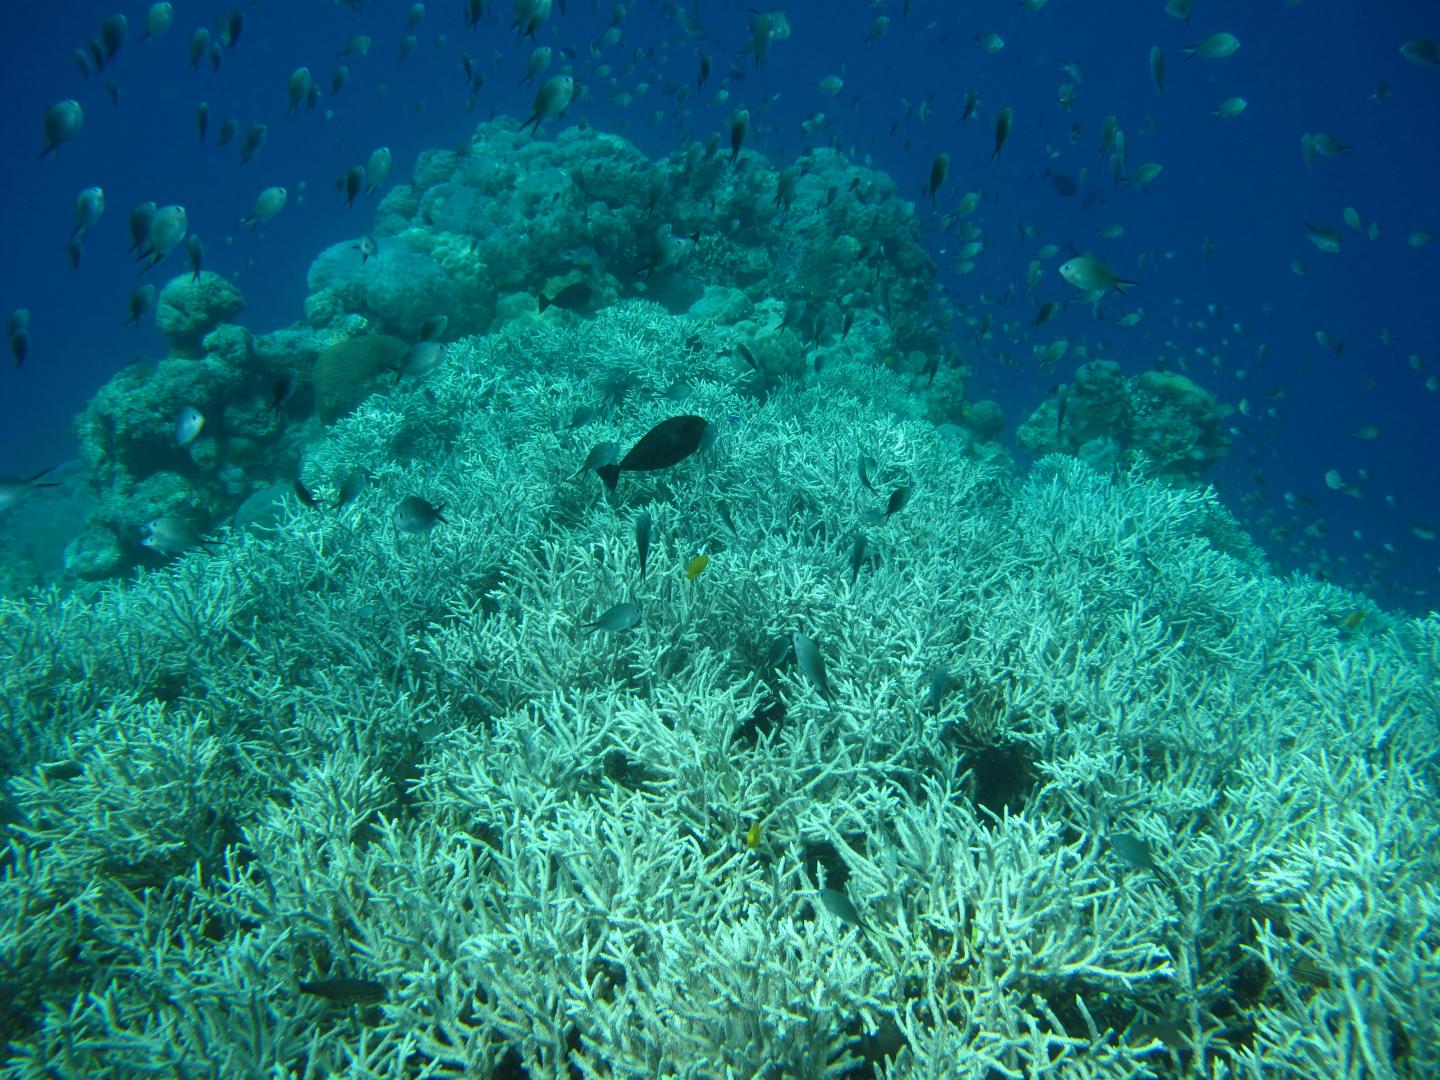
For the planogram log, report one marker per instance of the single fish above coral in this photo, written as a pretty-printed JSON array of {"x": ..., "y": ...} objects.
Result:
[
  {"x": 415, "y": 514},
  {"x": 666, "y": 444},
  {"x": 15, "y": 488},
  {"x": 615, "y": 620}
]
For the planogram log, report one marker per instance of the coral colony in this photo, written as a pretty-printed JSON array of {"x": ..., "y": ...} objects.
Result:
[{"x": 828, "y": 742}]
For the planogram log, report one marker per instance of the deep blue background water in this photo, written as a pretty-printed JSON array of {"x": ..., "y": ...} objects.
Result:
[{"x": 1309, "y": 67}]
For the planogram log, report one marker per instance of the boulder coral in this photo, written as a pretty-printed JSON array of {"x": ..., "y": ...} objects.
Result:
[
  {"x": 509, "y": 214},
  {"x": 1106, "y": 417},
  {"x": 349, "y": 371},
  {"x": 192, "y": 305}
]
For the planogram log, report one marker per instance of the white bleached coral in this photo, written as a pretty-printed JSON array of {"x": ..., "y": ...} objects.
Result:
[{"x": 554, "y": 851}]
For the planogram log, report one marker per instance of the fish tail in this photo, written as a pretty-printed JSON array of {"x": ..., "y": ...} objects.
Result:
[
  {"x": 610, "y": 474},
  {"x": 544, "y": 301}
]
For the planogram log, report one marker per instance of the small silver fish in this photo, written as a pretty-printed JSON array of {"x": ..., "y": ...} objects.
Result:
[
  {"x": 420, "y": 359},
  {"x": 188, "y": 424},
  {"x": 417, "y": 515},
  {"x": 377, "y": 169},
  {"x": 807, "y": 655},
  {"x": 601, "y": 454},
  {"x": 841, "y": 906},
  {"x": 623, "y": 616},
  {"x": 1132, "y": 850},
  {"x": 170, "y": 535},
  {"x": 15, "y": 488}
]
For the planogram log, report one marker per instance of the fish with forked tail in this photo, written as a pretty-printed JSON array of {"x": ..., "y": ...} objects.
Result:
[{"x": 667, "y": 443}]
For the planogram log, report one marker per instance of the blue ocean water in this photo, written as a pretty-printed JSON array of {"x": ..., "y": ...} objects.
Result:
[{"x": 1239, "y": 187}]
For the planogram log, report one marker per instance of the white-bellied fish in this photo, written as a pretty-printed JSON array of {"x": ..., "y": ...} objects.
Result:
[
  {"x": 15, "y": 488},
  {"x": 172, "y": 535},
  {"x": 188, "y": 424},
  {"x": 158, "y": 20},
  {"x": 415, "y": 514},
  {"x": 1214, "y": 47},
  {"x": 1421, "y": 51},
  {"x": 615, "y": 620},
  {"x": 812, "y": 664},
  {"x": 1091, "y": 275},
  {"x": 377, "y": 169},
  {"x": 267, "y": 204},
  {"x": 553, "y": 98}
]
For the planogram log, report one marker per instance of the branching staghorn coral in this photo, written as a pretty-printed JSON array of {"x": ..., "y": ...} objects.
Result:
[{"x": 395, "y": 768}]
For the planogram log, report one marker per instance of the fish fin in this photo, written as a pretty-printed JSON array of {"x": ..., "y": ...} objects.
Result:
[
  {"x": 610, "y": 474},
  {"x": 543, "y": 300}
]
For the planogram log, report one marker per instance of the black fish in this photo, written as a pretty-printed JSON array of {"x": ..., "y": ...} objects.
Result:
[
  {"x": 571, "y": 298},
  {"x": 305, "y": 496},
  {"x": 351, "y": 183},
  {"x": 282, "y": 389},
  {"x": 857, "y": 557},
  {"x": 1062, "y": 184},
  {"x": 642, "y": 538},
  {"x": 351, "y": 488},
  {"x": 667, "y": 443},
  {"x": 898, "y": 498},
  {"x": 344, "y": 991}
]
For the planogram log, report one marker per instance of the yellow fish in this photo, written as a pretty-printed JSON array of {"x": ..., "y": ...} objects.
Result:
[
  {"x": 696, "y": 567},
  {"x": 752, "y": 836}
]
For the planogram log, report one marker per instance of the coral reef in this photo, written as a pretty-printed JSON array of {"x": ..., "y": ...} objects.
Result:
[
  {"x": 347, "y": 372},
  {"x": 1090, "y": 791},
  {"x": 139, "y": 471},
  {"x": 1107, "y": 418},
  {"x": 684, "y": 231},
  {"x": 192, "y": 305},
  {"x": 817, "y": 265}
]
